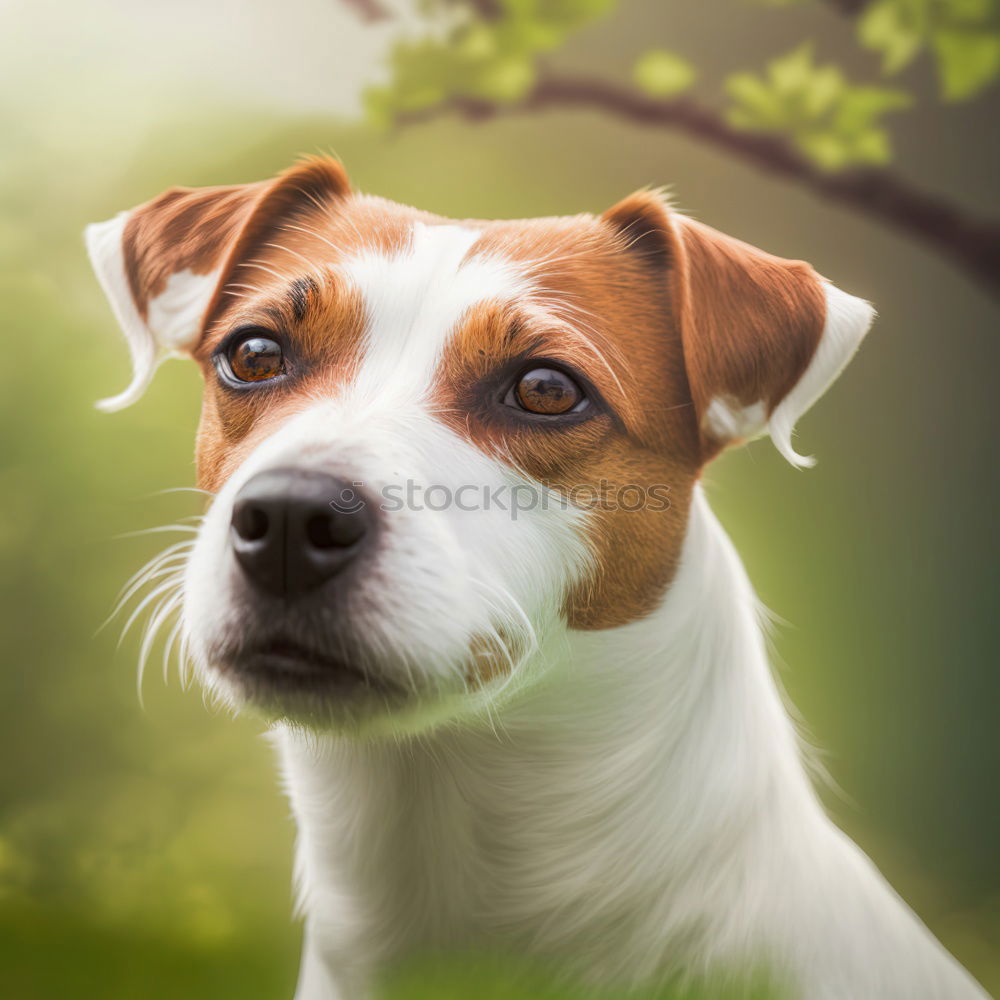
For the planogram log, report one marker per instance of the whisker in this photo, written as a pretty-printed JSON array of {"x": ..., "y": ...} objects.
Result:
[
  {"x": 168, "y": 606},
  {"x": 155, "y": 568},
  {"x": 184, "y": 655},
  {"x": 181, "y": 489},
  {"x": 158, "y": 591},
  {"x": 174, "y": 566},
  {"x": 160, "y": 529},
  {"x": 172, "y": 639}
]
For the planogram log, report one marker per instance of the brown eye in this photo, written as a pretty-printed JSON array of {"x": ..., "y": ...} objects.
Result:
[
  {"x": 548, "y": 391},
  {"x": 255, "y": 358}
]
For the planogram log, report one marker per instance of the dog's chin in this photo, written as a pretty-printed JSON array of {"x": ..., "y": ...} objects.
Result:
[{"x": 285, "y": 681}]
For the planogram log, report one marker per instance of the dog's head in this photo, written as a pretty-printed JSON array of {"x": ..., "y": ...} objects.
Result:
[{"x": 437, "y": 445}]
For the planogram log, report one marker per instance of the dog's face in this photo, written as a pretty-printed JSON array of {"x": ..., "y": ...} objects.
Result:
[{"x": 435, "y": 446}]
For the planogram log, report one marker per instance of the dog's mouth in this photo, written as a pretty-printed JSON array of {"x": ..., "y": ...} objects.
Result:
[{"x": 281, "y": 666}]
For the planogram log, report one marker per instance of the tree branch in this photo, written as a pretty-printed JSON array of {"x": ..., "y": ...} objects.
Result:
[
  {"x": 971, "y": 244},
  {"x": 486, "y": 10},
  {"x": 369, "y": 10},
  {"x": 849, "y": 8},
  {"x": 375, "y": 10}
]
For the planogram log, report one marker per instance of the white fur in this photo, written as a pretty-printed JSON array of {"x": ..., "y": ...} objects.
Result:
[
  {"x": 173, "y": 318},
  {"x": 643, "y": 814},
  {"x": 848, "y": 319},
  {"x": 175, "y": 314},
  {"x": 104, "y": 246},
  {"x": 415, "y": 298},
  {"x": 726, "y": 420}
]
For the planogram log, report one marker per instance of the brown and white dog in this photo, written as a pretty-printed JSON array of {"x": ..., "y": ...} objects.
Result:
[{"x": 535, "y": 713}]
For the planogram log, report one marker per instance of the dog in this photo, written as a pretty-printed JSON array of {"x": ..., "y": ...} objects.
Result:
[{"x": 458, "y": 557}]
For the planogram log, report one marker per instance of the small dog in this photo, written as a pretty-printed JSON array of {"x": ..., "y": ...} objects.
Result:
[{"x": 458, "y": 556}]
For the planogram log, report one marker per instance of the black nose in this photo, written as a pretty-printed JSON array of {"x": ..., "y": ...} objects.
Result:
[{"x": 294, "y": 529}]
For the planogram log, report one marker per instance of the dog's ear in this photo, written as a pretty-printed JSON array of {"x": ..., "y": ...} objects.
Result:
[
  {"x": 762, "y": 337},
  {"x": 162, "y": 265}
]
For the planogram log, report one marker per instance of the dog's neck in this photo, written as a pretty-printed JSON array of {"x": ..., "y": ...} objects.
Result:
[
  {"x": 677, "y": 714},
  {"x": 645, "y": 812},
  {"x": 635, "y": 765}
]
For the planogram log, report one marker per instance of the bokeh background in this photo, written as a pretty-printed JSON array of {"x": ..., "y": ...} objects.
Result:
[{"x": 146, "y": 852}]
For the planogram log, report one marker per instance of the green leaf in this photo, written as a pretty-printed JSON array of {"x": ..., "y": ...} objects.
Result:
[
  {"x": 831, "y": 121},
  {"x": 827, "y": 150},
  {"x": 759, "y": 107},
  {"x": 966, "y": 11},
  {"x": 821, "y": 90},
  {"x": 967, "y": 62},
  {"x": 479, "y": 42},
  {"x": 963, "y": 34},
  {"x": 492, "y": 59},
  {"x": 872, "y": 146},
  {"x": 894, "y": 28},
  {"x": 790, "y": 72},
  {"x": 506, "y": 80},
  {"x": 662, "y": 74},
  {"x": 379, "y": 106},
  {"x": 860, "y": 106}
]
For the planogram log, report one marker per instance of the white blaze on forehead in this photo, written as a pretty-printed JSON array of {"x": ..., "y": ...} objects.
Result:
[{"x": 415, "y": 298}]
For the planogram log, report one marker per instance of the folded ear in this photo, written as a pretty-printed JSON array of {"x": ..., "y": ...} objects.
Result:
[
  {"x": 161, "y": 264},
  {"x": 763, "y": 337}
]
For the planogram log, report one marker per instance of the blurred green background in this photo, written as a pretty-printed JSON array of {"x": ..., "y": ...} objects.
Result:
[{"x": 147, "y": 852}]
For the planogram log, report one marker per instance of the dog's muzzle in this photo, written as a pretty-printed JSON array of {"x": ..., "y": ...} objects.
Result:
[{"x": 294, "y": 530}]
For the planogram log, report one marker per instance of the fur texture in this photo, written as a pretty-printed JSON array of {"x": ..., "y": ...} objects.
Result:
[{"x": 586, "y": 758}]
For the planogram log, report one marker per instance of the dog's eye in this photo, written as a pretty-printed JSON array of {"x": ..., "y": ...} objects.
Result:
[
  {"x": 255, "y": 357},
  {"x": 548, "y": 391}
]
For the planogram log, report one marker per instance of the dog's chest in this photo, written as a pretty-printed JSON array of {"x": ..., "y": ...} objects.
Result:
[{"x": 447, "y": 845}]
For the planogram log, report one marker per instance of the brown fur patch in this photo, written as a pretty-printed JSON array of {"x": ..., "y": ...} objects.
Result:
[
  {"x": 195, "y": 228},
  {"x": 282, "y": 276},
  {"x": 661, "y": 315},
  {"x": 182, "y": 229},
  {"x": 604, "y": 314},
  {"x": 322, "y": 350},
  {"x": 750, "y": 322}
]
